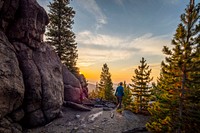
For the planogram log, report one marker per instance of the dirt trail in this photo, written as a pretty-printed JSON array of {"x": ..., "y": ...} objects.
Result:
[{"x": 95, "y": 121}]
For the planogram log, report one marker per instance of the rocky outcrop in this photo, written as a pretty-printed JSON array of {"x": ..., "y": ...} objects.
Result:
[
  {"x": 34, "y": 96},
  {"x": 11, "y": 83},
  {"x": 41, "y": 67},
  {"x": 11, "y": 86},
  {"x": 29, "y": 24},
  {"x": 32, "y": 75},
  {"x": 42, "y": 73},
  {"x": 75, "y": 86}
]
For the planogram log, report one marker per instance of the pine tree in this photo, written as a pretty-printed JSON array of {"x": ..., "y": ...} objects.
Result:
[
  {"x": 176, "y": 109},
  {"x": 93, "y": 94},
  {"x": 127, "y": 98},
  {"x": 105, "y": 86},
  {"x": 60, "y": 34},
  {"x": 140, "y": 84}
]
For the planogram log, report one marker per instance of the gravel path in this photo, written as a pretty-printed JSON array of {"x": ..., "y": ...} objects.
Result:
[{"x": 95, "y": 121}]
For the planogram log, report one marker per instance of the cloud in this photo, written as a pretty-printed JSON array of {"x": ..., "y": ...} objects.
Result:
[
  {"x": 119, "y": 2},
  {"x": 149, "y": 44},
  {"x": 89, "y": 38},
  {"x": 151, "y": 66},
  {"x": 88, "y": 56},
  {"x": 92, "y": 7},
  {"x": 96, "y": 48}
]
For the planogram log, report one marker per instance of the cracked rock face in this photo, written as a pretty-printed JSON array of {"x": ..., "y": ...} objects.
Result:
[
  {"x": 29, "y": 24},
  {"x": 42, "y": 73},
  {"x": 11, "y": 86},
  {"x": 31, "y": 72},
  {"x": 32, "y": 77},
  {"x": 11, "y": 83},
  {"x": 40, "y": 65}
]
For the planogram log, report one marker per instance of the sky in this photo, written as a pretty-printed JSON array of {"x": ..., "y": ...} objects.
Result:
[{"x": 121, "y": 32}]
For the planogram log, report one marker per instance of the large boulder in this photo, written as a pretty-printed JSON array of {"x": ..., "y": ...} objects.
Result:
[
  {"x": 84, "y": 85},
  {"x": 11, "y": 83},
  {"x": 72, "y": 88},
  {"x": 69, "y": 78},
  {"x": 40, "y": 65},
  {"x": 42, "y": 73},
  {"x": 50, "y": 69},
  {"x": 32, "y": 75}
]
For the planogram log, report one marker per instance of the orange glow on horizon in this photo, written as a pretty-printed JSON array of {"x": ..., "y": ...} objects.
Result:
[{"x": 93, "y": 75}]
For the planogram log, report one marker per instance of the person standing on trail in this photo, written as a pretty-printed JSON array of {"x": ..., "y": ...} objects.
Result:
[{"x": 119, "y": 94}]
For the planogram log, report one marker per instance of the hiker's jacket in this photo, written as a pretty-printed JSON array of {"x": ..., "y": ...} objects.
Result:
[{"x": 119, "y": 91}]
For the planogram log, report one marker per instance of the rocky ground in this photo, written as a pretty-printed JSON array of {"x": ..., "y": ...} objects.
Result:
[{"x": 95, "y": 121}]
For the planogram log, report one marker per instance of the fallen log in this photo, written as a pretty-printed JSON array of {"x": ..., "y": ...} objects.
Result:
[{"x": 76, "y": 106}]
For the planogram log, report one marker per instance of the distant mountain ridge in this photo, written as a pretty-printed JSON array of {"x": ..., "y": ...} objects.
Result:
[{"x": 91, "y": 87}]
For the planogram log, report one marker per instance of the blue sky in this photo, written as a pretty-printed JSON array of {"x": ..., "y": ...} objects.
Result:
[{"x": 121, "y": 32}]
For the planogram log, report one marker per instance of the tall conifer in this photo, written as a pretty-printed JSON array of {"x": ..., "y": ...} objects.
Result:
[
  {"x": 105, "y": 86},
  {"x": 140, "y": 84},
  {"x": 176, "y": 109},
  {"x": 60, "y": 34},
  {"x": 127, "y": 98}
]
